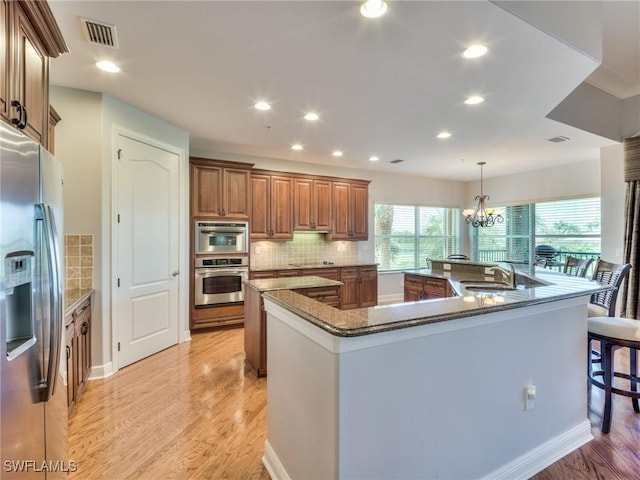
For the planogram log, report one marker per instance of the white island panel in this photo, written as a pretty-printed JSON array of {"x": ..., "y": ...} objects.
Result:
[{"x": 442, "y": 400}]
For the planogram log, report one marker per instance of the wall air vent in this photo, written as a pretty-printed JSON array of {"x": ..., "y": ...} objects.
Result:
[
  {"x": 397, "y": 160},
  {"x": 558, "y": 139},
  {"x": 100, "y": 33}
]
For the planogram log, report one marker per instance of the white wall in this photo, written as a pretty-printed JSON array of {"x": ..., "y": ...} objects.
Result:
[
  {"x": 613, "y": 190},
  {"x": 78, "y": 147},
  {"x": 84, "y": 142},
  {"x": 561, "y": 182}
]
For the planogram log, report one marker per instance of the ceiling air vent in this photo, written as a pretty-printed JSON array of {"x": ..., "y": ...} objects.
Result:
[
  {"x": 397, "y": 160},
  {"x": 558, "y": 139},
  {"x": 100, "y": 33}
]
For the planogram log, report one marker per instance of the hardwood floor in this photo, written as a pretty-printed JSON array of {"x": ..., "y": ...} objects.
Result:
[
  {"x": 188, "y": 412},
  {"x": 194, "y": 412}
]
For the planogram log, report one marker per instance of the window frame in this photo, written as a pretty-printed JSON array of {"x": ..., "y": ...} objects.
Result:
[{"x": 451, "y": 239}]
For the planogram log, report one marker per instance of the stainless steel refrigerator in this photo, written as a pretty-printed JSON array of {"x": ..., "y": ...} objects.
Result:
[{"x": 33, "y": 409}]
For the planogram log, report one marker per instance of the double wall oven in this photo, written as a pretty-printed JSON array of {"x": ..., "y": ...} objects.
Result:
[{"x": 222, "y": 262}]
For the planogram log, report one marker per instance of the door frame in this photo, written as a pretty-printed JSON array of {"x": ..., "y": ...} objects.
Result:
[{"x": 184, "y": 333}]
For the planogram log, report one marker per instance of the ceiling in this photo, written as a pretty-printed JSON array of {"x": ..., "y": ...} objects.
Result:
[{"x": 383, "y": 87}]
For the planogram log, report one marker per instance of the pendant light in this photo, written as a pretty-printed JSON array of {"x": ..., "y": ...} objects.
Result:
[{"x": 481, "y": 215}]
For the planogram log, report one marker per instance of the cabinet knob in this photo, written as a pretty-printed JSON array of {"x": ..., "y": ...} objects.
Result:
[{"x": 175, "y": 273}]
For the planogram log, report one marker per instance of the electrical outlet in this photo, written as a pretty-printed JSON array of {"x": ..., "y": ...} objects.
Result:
[{"x": 529, "y": 397}]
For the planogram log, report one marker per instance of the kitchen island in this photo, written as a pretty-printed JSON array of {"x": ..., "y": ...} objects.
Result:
[
  {"x": 321, "y": 289},
  {"x": 428, "y": 389}
]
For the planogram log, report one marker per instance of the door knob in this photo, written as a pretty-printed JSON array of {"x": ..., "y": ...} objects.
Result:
[{"x": 175, "y": 273}]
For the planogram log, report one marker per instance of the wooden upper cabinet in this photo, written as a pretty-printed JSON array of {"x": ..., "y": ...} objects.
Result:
[
  {"x": 220, "y": 190},
  {"x": 54, "y": 118},
  {"x": 272, "y": 207},
  {"x": 4, "y": 60},
  {"x": 350, "y": 211},
  {"x": 32, "y": 89},
  {"x": 29, "y": 37},
  {"x": 312, "y": 204}
]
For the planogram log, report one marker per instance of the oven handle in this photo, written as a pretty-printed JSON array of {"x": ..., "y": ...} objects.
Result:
[
  {"x": 206, "y": 272},
  {"x": 207, "y": 232}
]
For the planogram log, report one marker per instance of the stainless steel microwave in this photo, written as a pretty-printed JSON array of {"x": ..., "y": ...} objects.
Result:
[{"x": 221, "y": 237}]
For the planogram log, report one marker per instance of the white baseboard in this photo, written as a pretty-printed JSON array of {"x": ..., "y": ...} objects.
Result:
[
  {"x": 524, "y": 466},
  {"x": 273, "y": 465},
  {"x": 546, "y": 454},
  {"x": 101, "y": 371}
]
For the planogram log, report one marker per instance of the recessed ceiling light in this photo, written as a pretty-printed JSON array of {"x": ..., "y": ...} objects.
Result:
[
  {"x": 474, "y": 100},
  {"x": 443, "y": 135},
  {"x": 374, "y": 159},
  {"x": 108, "y": 66},
  {"x": 311, "y": 116},
  {"x": 373, "y": 8},
  {"x": 262, "y": 106},
  {"x": 296, "y": 146},
  {"x": 337, "y": 153},
  {"x": 475, "y": 51}
]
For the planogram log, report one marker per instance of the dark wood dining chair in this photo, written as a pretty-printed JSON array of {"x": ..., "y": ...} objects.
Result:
[
  {"x": 576, "y": 266},
  {"x": 603, "y": 304}
]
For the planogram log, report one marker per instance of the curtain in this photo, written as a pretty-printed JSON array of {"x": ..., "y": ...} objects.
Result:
[{"x": 631, "y": 253}]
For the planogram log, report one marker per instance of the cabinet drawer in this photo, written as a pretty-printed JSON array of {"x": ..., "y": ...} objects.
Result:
[
  {"x": 328, "y": 295},
  {"x": 330, "y": 273},
  {"x": 438, "y": 287}
]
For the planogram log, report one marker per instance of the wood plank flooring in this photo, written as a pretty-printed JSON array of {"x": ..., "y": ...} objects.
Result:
[{"x": 194, "y": 412}]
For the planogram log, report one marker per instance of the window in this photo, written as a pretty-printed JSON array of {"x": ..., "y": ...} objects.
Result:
[
  {"x": 406, "y": 235},
  {"x": 548, "y": 230}
]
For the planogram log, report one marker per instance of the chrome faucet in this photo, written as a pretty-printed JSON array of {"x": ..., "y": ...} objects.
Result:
[{"x": 507, "y": 270}]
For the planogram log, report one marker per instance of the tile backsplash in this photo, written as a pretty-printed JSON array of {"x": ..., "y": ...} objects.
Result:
[
  {"x": 78, "y": 256},
  {"x": 303, "y": 249}
]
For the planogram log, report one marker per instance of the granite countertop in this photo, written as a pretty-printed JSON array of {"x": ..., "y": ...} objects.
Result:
[
  {"x": 300, "y": 266},
  {"x": 74, "y": 297},
  {"x": 290, "y": 283},
  {"x": 365, "y": 321}
]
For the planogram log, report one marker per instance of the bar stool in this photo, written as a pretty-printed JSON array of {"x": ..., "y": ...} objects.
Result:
[
  {"x": 614, "y": 333},
  {"x": 603, "y": 304},
  {"x": 576, "y": 266}
]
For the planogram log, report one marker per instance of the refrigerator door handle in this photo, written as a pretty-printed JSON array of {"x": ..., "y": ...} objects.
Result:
[{"x": 45, "y": 214}]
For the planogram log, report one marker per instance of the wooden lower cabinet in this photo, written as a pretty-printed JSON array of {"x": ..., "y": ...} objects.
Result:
[
  {"x": 78, "y": 350},
  {"x": 255, "y": 322},
  {"x": 360, "y": 287},
  {"x": 419, "y": 287},
  {"x": 204, "y": 318}
]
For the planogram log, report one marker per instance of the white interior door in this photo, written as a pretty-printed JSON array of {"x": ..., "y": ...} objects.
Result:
[{"x": 147, "y": 295}]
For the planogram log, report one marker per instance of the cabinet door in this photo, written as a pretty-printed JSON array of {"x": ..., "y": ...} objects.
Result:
[
  {"x": 206, "y": 184},
  {"x": 70, "y": 347},
  {"x": 368, "y": 286},
  {"x": 413, "y": 288},
  {"x": 359, "y": 212},
  {"x": 340, "y": 227},
  {"x": 236, "y": 193},
  {"x": 259, "y": 225},
  {"x": 349, "y": 278},
  {"x": 281, "y": 208},
  {"x": 303, "y": 204},
  {"x": 5, "y": 70},
  {"x": 322, "y": 204},
  {"x": 32, "y": 88}
]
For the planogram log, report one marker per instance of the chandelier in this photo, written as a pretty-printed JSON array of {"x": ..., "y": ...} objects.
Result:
[{"x": 481, "y": 215}]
